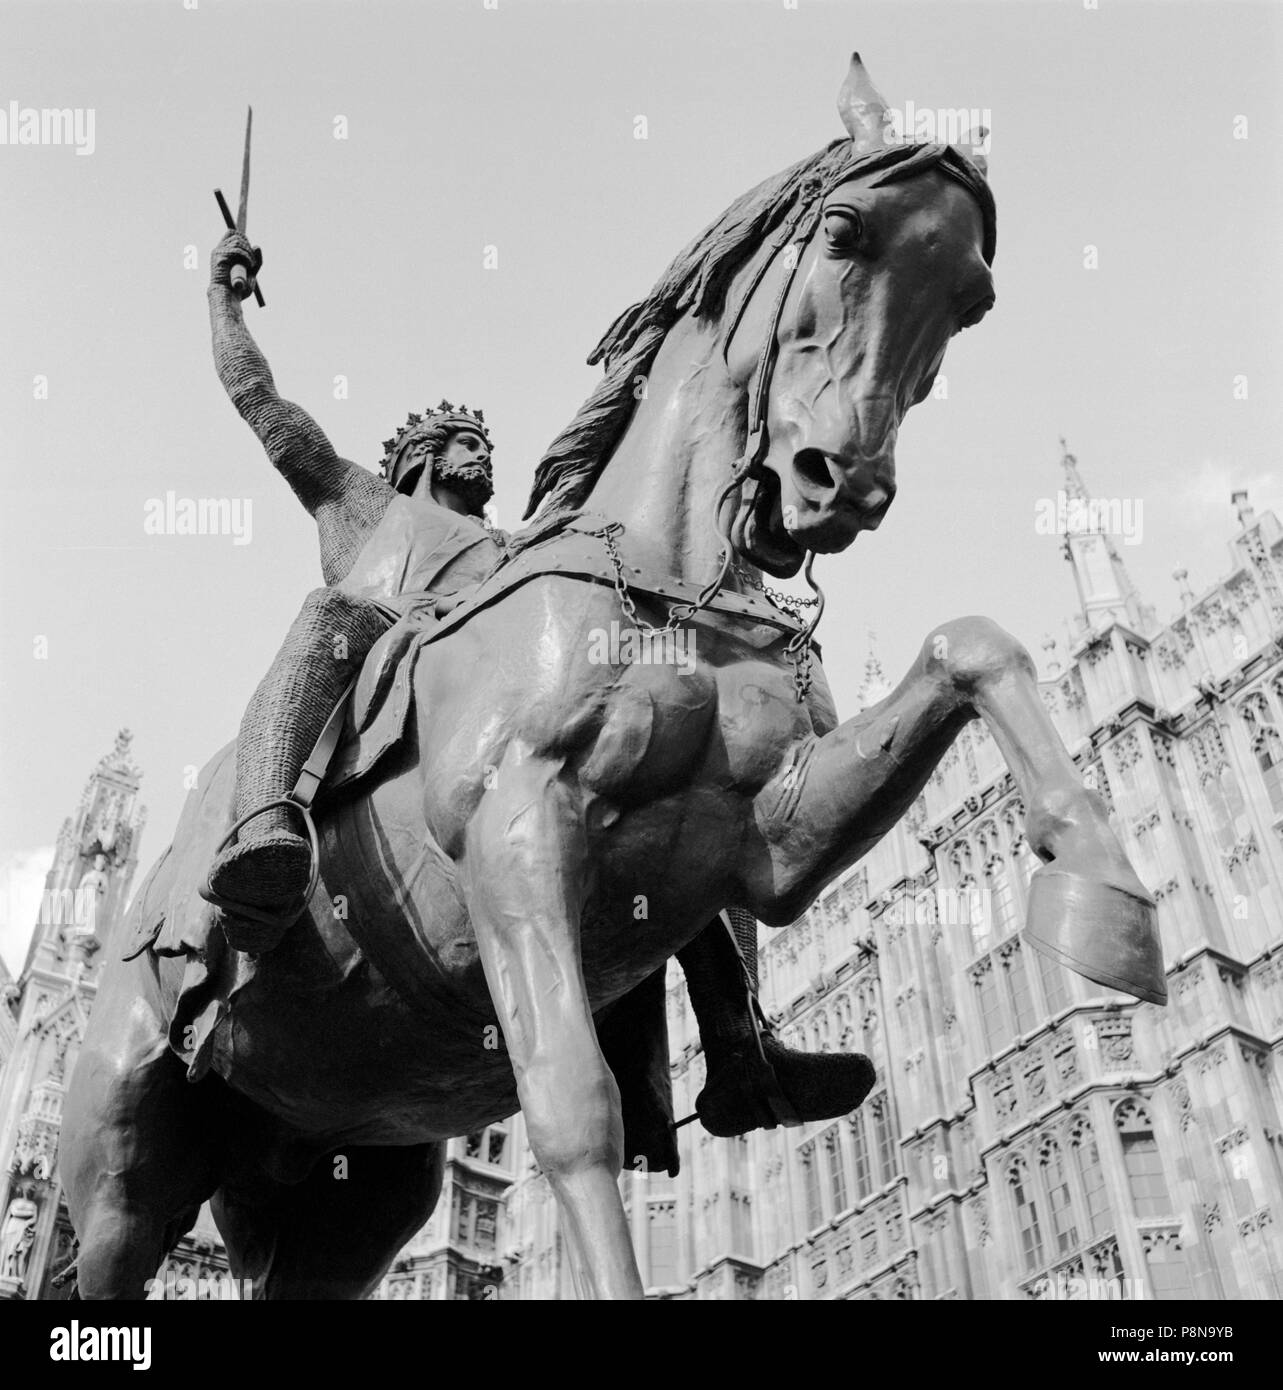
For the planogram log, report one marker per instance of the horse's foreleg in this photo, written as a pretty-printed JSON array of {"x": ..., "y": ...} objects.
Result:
[
  {"x": 843, "y": 792},
  {"x": 525, "y": 874}
]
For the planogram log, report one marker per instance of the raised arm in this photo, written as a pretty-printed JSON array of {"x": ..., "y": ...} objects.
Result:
[{"x": 293, "y": 441}]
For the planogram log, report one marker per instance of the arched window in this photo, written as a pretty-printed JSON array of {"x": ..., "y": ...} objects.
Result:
[
  {"x": 1268, "y": 749},
  {"x": 863, "y": 1169},
  {"x": 972, "y": 911},
  {"x": 1055, "y": 982},
  {"x": 1055, "y": 1181},
  {"x": 1087, "y": 1157},
  {"x": 1168, "y": 1276},
  {"x": 836, "y": 1169},
  {"x": 662, "y": 1223},
  {"x": 873, "y": 1039},
  {"x": 1022, "y": 1003},
  {"x": 1028, "y": 1227},
  {"x": 1256, "y": 711},
  {"x": 990, "y": 1005},
  {"x": 1002, "y": 899},
  {"x": 883, "y": 1139},
  {"x": 1142, "y": 1161},
  {"x": 811, "y": 1186}
]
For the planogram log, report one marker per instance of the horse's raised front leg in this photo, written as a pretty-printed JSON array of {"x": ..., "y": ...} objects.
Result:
[
  {"x": 525, "y": 871},
  {"x": 843, "y": 792}
]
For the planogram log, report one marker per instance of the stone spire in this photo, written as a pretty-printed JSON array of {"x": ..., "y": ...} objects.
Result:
[
  {"x": 1092, "y": 528},
  {"x": 874, "y": 686},
  {"x": 87, "y": 886}
]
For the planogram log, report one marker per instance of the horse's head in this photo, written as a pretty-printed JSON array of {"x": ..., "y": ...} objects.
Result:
[{"x": 889, "y": 262}]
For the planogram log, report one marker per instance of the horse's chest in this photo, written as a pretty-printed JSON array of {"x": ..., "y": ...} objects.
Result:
[
  {"x": 759, "y": 721},
  {"x": 665, "y": 729}
]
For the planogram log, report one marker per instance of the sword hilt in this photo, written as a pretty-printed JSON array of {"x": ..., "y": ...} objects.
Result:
[{"x": 239, "y": 277}]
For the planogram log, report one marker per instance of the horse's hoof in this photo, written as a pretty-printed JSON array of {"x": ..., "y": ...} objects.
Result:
[{"x": 1103, "y": 932}]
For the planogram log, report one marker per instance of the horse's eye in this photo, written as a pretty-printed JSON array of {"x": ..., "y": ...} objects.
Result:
[{"x": 843, "y": 229}]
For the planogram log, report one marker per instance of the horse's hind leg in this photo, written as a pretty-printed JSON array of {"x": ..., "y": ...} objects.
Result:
[
  {"x": 138, "y": 1150},
  {"x": 333, "y": 1235}
]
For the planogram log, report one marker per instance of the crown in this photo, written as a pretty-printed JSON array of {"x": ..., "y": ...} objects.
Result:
[{"x": 445, "y": 419}]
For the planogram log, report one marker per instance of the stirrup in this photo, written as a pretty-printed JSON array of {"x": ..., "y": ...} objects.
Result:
[
  {"x": 256, "y": 914},
  {"x": 773, "y": 1100}
]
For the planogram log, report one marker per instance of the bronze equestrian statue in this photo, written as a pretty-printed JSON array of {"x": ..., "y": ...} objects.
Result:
[
  {"x": 515, "y": 835},
  {"x": 412, "y": 542}
]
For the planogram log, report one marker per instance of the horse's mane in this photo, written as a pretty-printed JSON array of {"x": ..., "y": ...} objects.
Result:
[{"x": 696, "y": 281}]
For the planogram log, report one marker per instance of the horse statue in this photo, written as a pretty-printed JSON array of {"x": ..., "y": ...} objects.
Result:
[{"x": 509, "y": 788}]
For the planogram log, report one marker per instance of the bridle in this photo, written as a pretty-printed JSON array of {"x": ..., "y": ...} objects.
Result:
[
  {"x": 792, "y": 241},
  {"x": 795, "y": 237}
]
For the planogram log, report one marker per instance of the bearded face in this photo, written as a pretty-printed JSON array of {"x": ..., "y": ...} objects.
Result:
[{"x": 464, "y": 467}]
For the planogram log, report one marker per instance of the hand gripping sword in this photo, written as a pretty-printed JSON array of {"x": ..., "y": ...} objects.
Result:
[{"x": 239, "y": 276}]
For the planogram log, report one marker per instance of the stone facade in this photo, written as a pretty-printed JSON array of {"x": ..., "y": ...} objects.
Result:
[{"x": 44, "y": 1013}]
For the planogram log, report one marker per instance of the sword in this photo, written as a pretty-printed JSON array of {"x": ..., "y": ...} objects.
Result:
[{"x": 239, "y": 276}]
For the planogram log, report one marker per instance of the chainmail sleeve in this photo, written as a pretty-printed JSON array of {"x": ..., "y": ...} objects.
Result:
[{"x": 346, "y": 501}]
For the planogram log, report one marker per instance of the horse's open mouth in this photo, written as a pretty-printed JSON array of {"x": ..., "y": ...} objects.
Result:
[{"x": 759, "y": 533}]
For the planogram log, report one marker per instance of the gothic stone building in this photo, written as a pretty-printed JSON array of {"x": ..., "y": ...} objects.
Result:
[
  {"x": 43, "y": 1015},
  {"x": 1031, "y": 1135}
]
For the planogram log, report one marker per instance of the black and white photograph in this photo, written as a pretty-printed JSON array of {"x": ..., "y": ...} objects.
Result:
[{"x": 642, "y": 659}]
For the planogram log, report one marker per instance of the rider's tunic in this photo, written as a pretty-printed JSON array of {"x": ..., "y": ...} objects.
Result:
[{"x": 421, "y": 548}]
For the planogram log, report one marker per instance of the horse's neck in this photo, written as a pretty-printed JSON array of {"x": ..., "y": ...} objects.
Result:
[{"x": 677, "y": 454}]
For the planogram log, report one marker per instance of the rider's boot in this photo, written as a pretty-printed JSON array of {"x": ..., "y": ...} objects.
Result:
[
  {"x": 267, "y": 869},
  {"x": 752, "y": 1080}
]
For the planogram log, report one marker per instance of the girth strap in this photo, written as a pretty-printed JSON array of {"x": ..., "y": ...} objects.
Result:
[{"x": 577, "y": 553}]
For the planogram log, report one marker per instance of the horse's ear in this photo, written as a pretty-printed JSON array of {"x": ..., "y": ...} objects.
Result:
[
  {"x": 863, "y": 110},
  {"x": 975, "y": 146}
]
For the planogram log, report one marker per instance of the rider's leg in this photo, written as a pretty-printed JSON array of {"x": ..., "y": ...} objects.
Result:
[
  {"x": 747, "y": 1086},
  {"x": 267, "y": 867}
]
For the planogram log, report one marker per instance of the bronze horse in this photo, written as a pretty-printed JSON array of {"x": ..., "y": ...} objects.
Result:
[{"x": 553, "y": 827}]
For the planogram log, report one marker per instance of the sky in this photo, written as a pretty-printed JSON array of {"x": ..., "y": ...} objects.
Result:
[{"x": 1136, "y": 165}]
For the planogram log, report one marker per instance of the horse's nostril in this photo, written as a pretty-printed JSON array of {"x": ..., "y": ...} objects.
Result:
[{"x": 813, "y": 467}]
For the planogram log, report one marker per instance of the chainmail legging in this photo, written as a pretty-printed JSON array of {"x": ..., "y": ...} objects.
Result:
[
  {"x": 719, "y": 971},
  {"x": 327, "y": 642},
  {"x": 324, "y": 649},
  {"x": 744, "y": 925}
]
